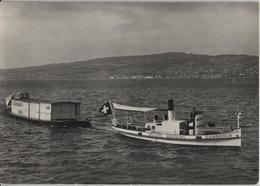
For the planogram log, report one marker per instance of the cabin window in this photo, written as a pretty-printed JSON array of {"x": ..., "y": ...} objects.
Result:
[
  {"x": 27, "y": 95},
  {"x": 165, "y": 117},
  {"x": 153, "y": 127},
  {"x": 183, "y": 125},
  {"x": 191, "y": 124},
  {"x": 159, "y": 124}
]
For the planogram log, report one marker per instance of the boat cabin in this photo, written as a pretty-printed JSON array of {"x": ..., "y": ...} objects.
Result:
[
  {"x": 168, "y": 124},
  {"x": 173, "y": 127}
]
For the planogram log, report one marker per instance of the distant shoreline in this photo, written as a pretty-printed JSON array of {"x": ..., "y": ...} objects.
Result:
[
  {"x": 107, "y": 79},
  {"x": 171, "y": 65}
]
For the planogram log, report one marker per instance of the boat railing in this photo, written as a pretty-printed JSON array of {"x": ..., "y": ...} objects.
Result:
[
  {"x": 201, "y": 131},
  {"x": 132, "y": 127}
]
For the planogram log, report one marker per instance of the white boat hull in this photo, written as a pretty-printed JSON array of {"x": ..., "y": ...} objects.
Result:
[{"x": 230, "y": 139}]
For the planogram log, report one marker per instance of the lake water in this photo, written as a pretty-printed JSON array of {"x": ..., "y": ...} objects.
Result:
[{"x": 31, "y": 153}]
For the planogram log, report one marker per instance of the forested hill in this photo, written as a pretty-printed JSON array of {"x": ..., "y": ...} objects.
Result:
[{"x": 165, "y": 65}]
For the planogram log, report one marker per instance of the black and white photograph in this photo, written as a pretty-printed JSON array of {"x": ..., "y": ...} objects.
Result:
[{"x": 129, "y": 92}]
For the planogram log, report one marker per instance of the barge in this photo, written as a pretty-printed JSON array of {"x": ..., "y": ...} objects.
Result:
[
  {"x": 58, "y": 113},
  {"x": 194, "y": 131}
]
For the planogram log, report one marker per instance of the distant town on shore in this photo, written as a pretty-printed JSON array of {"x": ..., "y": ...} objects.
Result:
[{"x": 156, "y": 66}]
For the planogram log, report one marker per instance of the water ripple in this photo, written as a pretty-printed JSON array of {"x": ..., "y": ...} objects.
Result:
[{"x": 31, "y": 153}]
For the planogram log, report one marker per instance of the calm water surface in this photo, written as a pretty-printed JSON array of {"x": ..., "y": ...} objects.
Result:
[{"x": 30, "y": 153}]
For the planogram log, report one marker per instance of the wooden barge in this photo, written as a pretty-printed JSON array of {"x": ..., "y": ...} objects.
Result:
[{"x": 61, "y": 113}]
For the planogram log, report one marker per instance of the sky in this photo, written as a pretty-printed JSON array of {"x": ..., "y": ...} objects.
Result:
[{"x": 38, "y": 33}]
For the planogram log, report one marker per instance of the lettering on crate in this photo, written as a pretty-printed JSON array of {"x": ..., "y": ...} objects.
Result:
[{"x": 18, "y": 104}]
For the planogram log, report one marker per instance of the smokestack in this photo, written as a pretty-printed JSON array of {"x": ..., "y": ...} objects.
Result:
[{"x": 171, "y": 110}]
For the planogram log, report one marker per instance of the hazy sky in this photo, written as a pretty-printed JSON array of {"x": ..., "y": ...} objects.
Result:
[{"x": 35, "y": 33}]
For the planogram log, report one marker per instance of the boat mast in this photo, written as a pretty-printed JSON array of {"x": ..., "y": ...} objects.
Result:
[
  {"x": 194, "y": 122},
  {"x": 239, "y": 115},
  {"x": 237, "y": 121}
]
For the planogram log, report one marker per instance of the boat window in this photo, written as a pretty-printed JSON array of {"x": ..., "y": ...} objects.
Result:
[
  {"x": 183, "y": 125},
  {"x": 153, "y": 127},
  {"x": 165, "y": 117},
  {"x": 158, "y": 123}
]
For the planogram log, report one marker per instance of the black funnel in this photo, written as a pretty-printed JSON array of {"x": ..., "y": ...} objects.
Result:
[{"x": 170, "y": 104}]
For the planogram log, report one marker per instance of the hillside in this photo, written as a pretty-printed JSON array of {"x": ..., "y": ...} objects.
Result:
[{"x": 166, "y": 65}]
